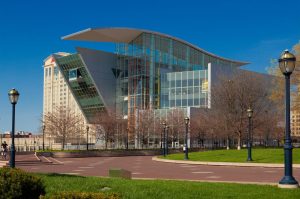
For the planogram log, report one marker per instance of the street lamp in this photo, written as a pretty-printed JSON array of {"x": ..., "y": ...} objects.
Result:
[
  {"x": 186, "y": 154},
  {"x": 161, "y": 139},
  {"x": 44, "y": 127},
  {"x": 164, "y": 139},
  {"x": 127, "y": 131},
  {"x": 13, "y": 95},
  {"x": 87, "y": 137},
  {"x": 249, "y": 141},
  {"x": 287, "y": 63},
  {"x": 167, "y": 136}
]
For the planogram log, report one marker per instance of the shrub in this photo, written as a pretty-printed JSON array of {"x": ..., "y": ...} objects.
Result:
[
  {"x": 15, "y": 183},
  {"x": 82, "y": 195}
]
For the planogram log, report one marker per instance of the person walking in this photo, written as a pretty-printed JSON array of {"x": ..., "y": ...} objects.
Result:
[{"x": 4, "y": 149}]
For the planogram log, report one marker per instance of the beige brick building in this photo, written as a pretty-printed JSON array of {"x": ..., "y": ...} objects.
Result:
[
  {"x": 295, "y": 123},
  {"x": 56, "y": 91}
]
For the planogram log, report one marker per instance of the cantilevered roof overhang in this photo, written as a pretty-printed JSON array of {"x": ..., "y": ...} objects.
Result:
[{"x": 126, "y": 35}]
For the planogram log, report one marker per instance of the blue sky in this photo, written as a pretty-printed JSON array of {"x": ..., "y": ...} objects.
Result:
[{"x": 253, "y": 31}]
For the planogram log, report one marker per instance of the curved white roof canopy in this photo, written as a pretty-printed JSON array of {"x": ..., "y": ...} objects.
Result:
[{"x": 126, "y": 35}]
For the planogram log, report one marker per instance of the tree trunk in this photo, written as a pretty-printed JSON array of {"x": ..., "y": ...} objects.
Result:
[
  {"x": 63, "y": 142},
  {"x": 239, "y": 141},
  {"x": 143, "y": 141},
  {"x": 106, "y": 140},
  {"x": 227, "y": 143}
]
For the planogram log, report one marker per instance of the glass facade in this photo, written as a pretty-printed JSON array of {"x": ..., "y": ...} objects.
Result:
[
  {"x": 81, "y": 85},
  {"x": 153, "y": 71},
  {"x": 184, "y": 89},
  {"x": 160, "y": 72}
]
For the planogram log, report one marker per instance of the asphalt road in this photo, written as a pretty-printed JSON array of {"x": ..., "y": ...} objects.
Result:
[{"x": 145, "y": 167}]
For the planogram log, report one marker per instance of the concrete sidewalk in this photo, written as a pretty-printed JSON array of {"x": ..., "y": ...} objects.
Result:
[
  {"x": 3, "y": 163},
  {"x": 237, "y": 164}
]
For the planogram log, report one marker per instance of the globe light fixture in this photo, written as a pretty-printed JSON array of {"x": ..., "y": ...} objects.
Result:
[{"x": 287, "y": 62}]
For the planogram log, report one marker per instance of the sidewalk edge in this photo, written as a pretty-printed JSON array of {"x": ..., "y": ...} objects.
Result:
[{"x": 155, "y": 158}]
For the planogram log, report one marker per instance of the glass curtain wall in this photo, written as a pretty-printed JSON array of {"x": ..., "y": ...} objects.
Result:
[
  {"x": 161, "y": 72},
  {"x": 184, "y": 89},
  {"x": 81, "y": 85}
]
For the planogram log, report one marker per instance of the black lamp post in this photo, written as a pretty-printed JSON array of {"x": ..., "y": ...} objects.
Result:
[
  {"x": 167, "y": 138},
  {"x": 87, "y": 137},
  {"x": 164, "y": 139},
  {"x": 127, "y": 132},
  {"x": 44, "y": 127},
  {"x": 287, "y": 63},
  {"x": 13, "y": 97},
  {"x": 186, "y": 154},
  {"x": 249, "y": 140},
  {"x": 161, "y": 139}
]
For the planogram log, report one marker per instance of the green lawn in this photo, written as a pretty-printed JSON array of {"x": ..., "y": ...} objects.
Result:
[
  {"x": 152, "y": 189},
  {"x": 260, "y": 155}
]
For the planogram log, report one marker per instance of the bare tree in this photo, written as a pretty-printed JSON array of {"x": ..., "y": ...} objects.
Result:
[
  {"x": 62, "y": 123},
  {"x": 145, "y": 126},
  {"x": 106, "y": 125},
  {"x": 200, "y": 127},
  {"x": 175, "y": 121},
  {"x": 157, "y": 129},
  {"x": 121, "y": 132},
  {"x": 230, "y": 100}
]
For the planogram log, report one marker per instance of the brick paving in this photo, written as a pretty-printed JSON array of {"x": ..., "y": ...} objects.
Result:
[{"x": 145, "y": 167}]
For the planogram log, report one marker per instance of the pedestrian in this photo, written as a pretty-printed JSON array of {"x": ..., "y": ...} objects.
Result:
[{"x": 4, "y": 149}]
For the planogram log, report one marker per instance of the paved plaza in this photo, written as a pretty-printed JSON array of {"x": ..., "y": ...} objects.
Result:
[{"x": 144, "y": 167}]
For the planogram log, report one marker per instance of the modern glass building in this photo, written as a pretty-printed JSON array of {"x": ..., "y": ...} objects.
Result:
[{"x": 149, "y": 70}]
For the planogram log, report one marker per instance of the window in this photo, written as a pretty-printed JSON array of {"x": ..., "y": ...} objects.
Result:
[
  {"x": 184, "y": 83},
  {"x": 72, "y": 74},
  {"x": 178, "y": 102},
  {"x": 55, "y": 70}
]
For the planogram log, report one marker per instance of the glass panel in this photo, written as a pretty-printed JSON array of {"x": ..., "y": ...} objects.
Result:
[
  {"x": 84, "y": 90},
  {"x": 73, "y": 74},
  {"x": 184, "y": 83},
  {"x": 190, "y": 102},
  {"x": 55, "y": 70},
  {"x": 178, "y": 103},
  {"x": 184, "y": 102}
]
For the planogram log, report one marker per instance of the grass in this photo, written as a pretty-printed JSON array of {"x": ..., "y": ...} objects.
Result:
[
  {"x": 259, "y": 155},
  {"x": 146, "y": 189}
]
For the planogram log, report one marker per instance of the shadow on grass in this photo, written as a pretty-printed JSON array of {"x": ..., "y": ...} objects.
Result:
[{"x": 60, "y": 175}]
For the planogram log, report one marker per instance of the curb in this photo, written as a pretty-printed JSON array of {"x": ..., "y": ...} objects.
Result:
[
  {"x": 212, "y": 181},
  {"x": 37, "y": 157},
  {"x": 40, "y": 159},
  {"x": 224, "y": 163},
  {"x": 55, "y": 160},
  {"x": 49, "y": 161}
]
